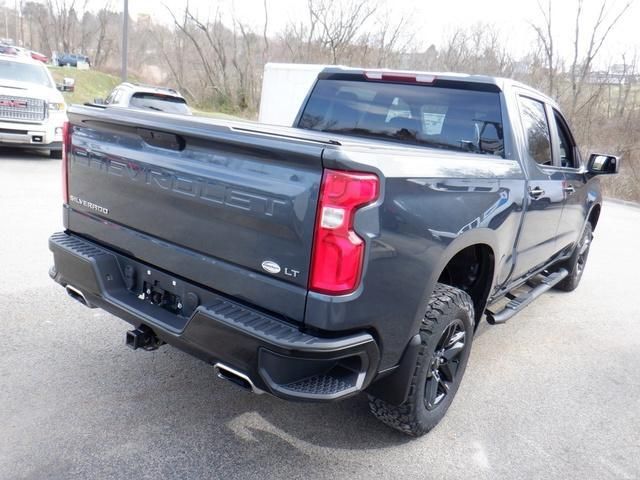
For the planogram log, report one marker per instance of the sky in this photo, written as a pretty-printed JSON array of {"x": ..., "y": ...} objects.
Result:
[{"x": 432, "y": 19}]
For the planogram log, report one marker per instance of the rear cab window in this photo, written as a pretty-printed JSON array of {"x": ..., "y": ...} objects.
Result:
[
  {"x": 459, "y": 119},
  {"x": 159, "y": 102}
]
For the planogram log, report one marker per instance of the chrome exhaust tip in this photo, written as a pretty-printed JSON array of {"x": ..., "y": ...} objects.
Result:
[
  {"x": 227, "y": 373},
  {"x": 77, "y": 295}
]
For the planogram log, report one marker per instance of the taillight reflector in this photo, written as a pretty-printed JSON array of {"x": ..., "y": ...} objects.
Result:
[
  {"x": 338, "y": 251},
  {"x": 66, "y": 146}
]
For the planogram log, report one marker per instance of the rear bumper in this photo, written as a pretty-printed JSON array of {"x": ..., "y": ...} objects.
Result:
[{"x": 275, "y": 355}]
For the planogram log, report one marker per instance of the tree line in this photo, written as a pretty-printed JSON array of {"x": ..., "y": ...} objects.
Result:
[{"x": 216, "y": 60}]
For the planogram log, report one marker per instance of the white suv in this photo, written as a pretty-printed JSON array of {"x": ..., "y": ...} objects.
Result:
[
  {"x": 149, "y": 97},
  {"x": 32, "y": 110}
]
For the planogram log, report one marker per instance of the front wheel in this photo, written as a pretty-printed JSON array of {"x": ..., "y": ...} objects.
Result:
[
  {"x": 446, "y": 333},
  {"x": 55, "y": 154},
  {"x": 577, "y": 262}
]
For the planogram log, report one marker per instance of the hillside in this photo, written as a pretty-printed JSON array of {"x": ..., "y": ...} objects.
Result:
[{"x": 90, "y": 84}]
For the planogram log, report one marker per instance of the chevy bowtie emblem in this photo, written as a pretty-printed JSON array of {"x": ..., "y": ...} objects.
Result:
[{"x": 270, "y": 266}]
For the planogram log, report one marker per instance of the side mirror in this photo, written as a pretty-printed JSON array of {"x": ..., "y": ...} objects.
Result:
[
  {"x": 601, "y": 164},
  {"x": 99, "y": 101}
]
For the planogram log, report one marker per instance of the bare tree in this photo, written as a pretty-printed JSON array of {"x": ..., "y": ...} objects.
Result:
[
  {"x": 340, "y": 22},
  {"x": 629, "y": 73},
  {"x": 103, "y": 20},
  {"x": 63, "y": 14},
  {"x": 582, "y": 62},
  {"x": 478, "y": 49},
  {"x": 184, "y": 27},
  {"x": 265, "y": 30},
  {"x": 216, "y": 35},
  {"x": 390, "y": 38},
  {"x": 544, "y": 33}
]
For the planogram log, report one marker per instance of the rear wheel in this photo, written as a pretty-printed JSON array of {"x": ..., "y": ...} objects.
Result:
[
  {"x": 446, "y": 333},
  {"x": 577, "y": 262}
]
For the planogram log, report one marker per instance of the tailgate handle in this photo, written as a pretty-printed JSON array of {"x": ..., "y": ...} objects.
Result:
[{"x": 170, "y": 141}]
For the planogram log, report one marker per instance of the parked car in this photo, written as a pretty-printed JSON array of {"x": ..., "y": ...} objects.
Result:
[
  {"x": 8, "y": 50},
  {"x": 39, "y": 56},
  {"x": 32, "y": 110},
  {"x": 72, "y": 60},
  {"x": 135, "y": 95},
  {"x": 356, "y": 252}
]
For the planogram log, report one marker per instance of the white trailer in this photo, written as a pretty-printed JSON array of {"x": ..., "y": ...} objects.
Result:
[{"x": 285, "y": 86}]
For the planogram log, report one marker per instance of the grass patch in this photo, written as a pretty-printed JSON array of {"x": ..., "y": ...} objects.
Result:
[{"x": 90, "y": 84}]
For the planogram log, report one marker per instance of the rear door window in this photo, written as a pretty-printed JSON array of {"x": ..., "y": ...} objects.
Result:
[
  {"x": 447, "y": 118},
  {"x": 536, "y": 129}
]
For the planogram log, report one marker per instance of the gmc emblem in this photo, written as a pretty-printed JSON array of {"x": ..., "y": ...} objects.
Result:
[{"x": 13, "y": 103}]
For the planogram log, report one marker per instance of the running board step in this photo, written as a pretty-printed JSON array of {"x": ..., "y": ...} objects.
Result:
[{"x": 518, "y": 303}]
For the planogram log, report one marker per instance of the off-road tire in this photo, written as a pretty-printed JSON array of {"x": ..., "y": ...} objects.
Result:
[
  {"x": 577, "y": 262},
  {"x": 55, "y": 154},
  {"x": 447, "y": 305}
]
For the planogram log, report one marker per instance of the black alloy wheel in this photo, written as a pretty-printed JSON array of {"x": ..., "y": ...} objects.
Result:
[
  {"x": 446, "y": 334},
  {"x": 444, "y": 364}
]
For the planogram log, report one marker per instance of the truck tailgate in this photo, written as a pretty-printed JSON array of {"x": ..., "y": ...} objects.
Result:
[{"x": 228, "y": 207}]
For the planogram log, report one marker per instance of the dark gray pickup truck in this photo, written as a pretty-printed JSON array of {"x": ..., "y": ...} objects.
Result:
[{"x": 355, "y": 252}]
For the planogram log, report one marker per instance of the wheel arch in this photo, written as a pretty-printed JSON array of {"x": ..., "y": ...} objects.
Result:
[
  {"x": 594, "y": 215},
  {"x": 478, "y": 246},
  {"x": 472, "y": 270}
]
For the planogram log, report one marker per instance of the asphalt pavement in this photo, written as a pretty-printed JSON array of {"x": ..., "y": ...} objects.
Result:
[{"x": 552, "y": 394}]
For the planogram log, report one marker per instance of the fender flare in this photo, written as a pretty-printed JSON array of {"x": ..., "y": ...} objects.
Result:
[{"x": 476, "y": 236}]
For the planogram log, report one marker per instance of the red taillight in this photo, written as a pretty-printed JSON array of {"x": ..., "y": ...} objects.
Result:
[
  {"x": 336, "y": 265},
  {"x": 66, "y": 146}
]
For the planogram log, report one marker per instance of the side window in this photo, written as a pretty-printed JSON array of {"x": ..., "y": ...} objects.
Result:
[
  {"x": 565, "y": 142},
  {"x": 536, "y": 128}
]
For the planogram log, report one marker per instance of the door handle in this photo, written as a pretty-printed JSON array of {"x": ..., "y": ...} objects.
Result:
[
  {"x": 536, "y": 192},
  {"x": 156, "y": 138},
  {"x": 569, "y": 189}
]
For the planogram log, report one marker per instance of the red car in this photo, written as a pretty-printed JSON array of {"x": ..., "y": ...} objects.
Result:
[{"x": 39, "y": 56}]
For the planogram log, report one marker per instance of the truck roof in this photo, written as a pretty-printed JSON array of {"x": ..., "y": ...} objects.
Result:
[
  {"x": 140, "y": 87},
  {"x": 500, "y": 83}
]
